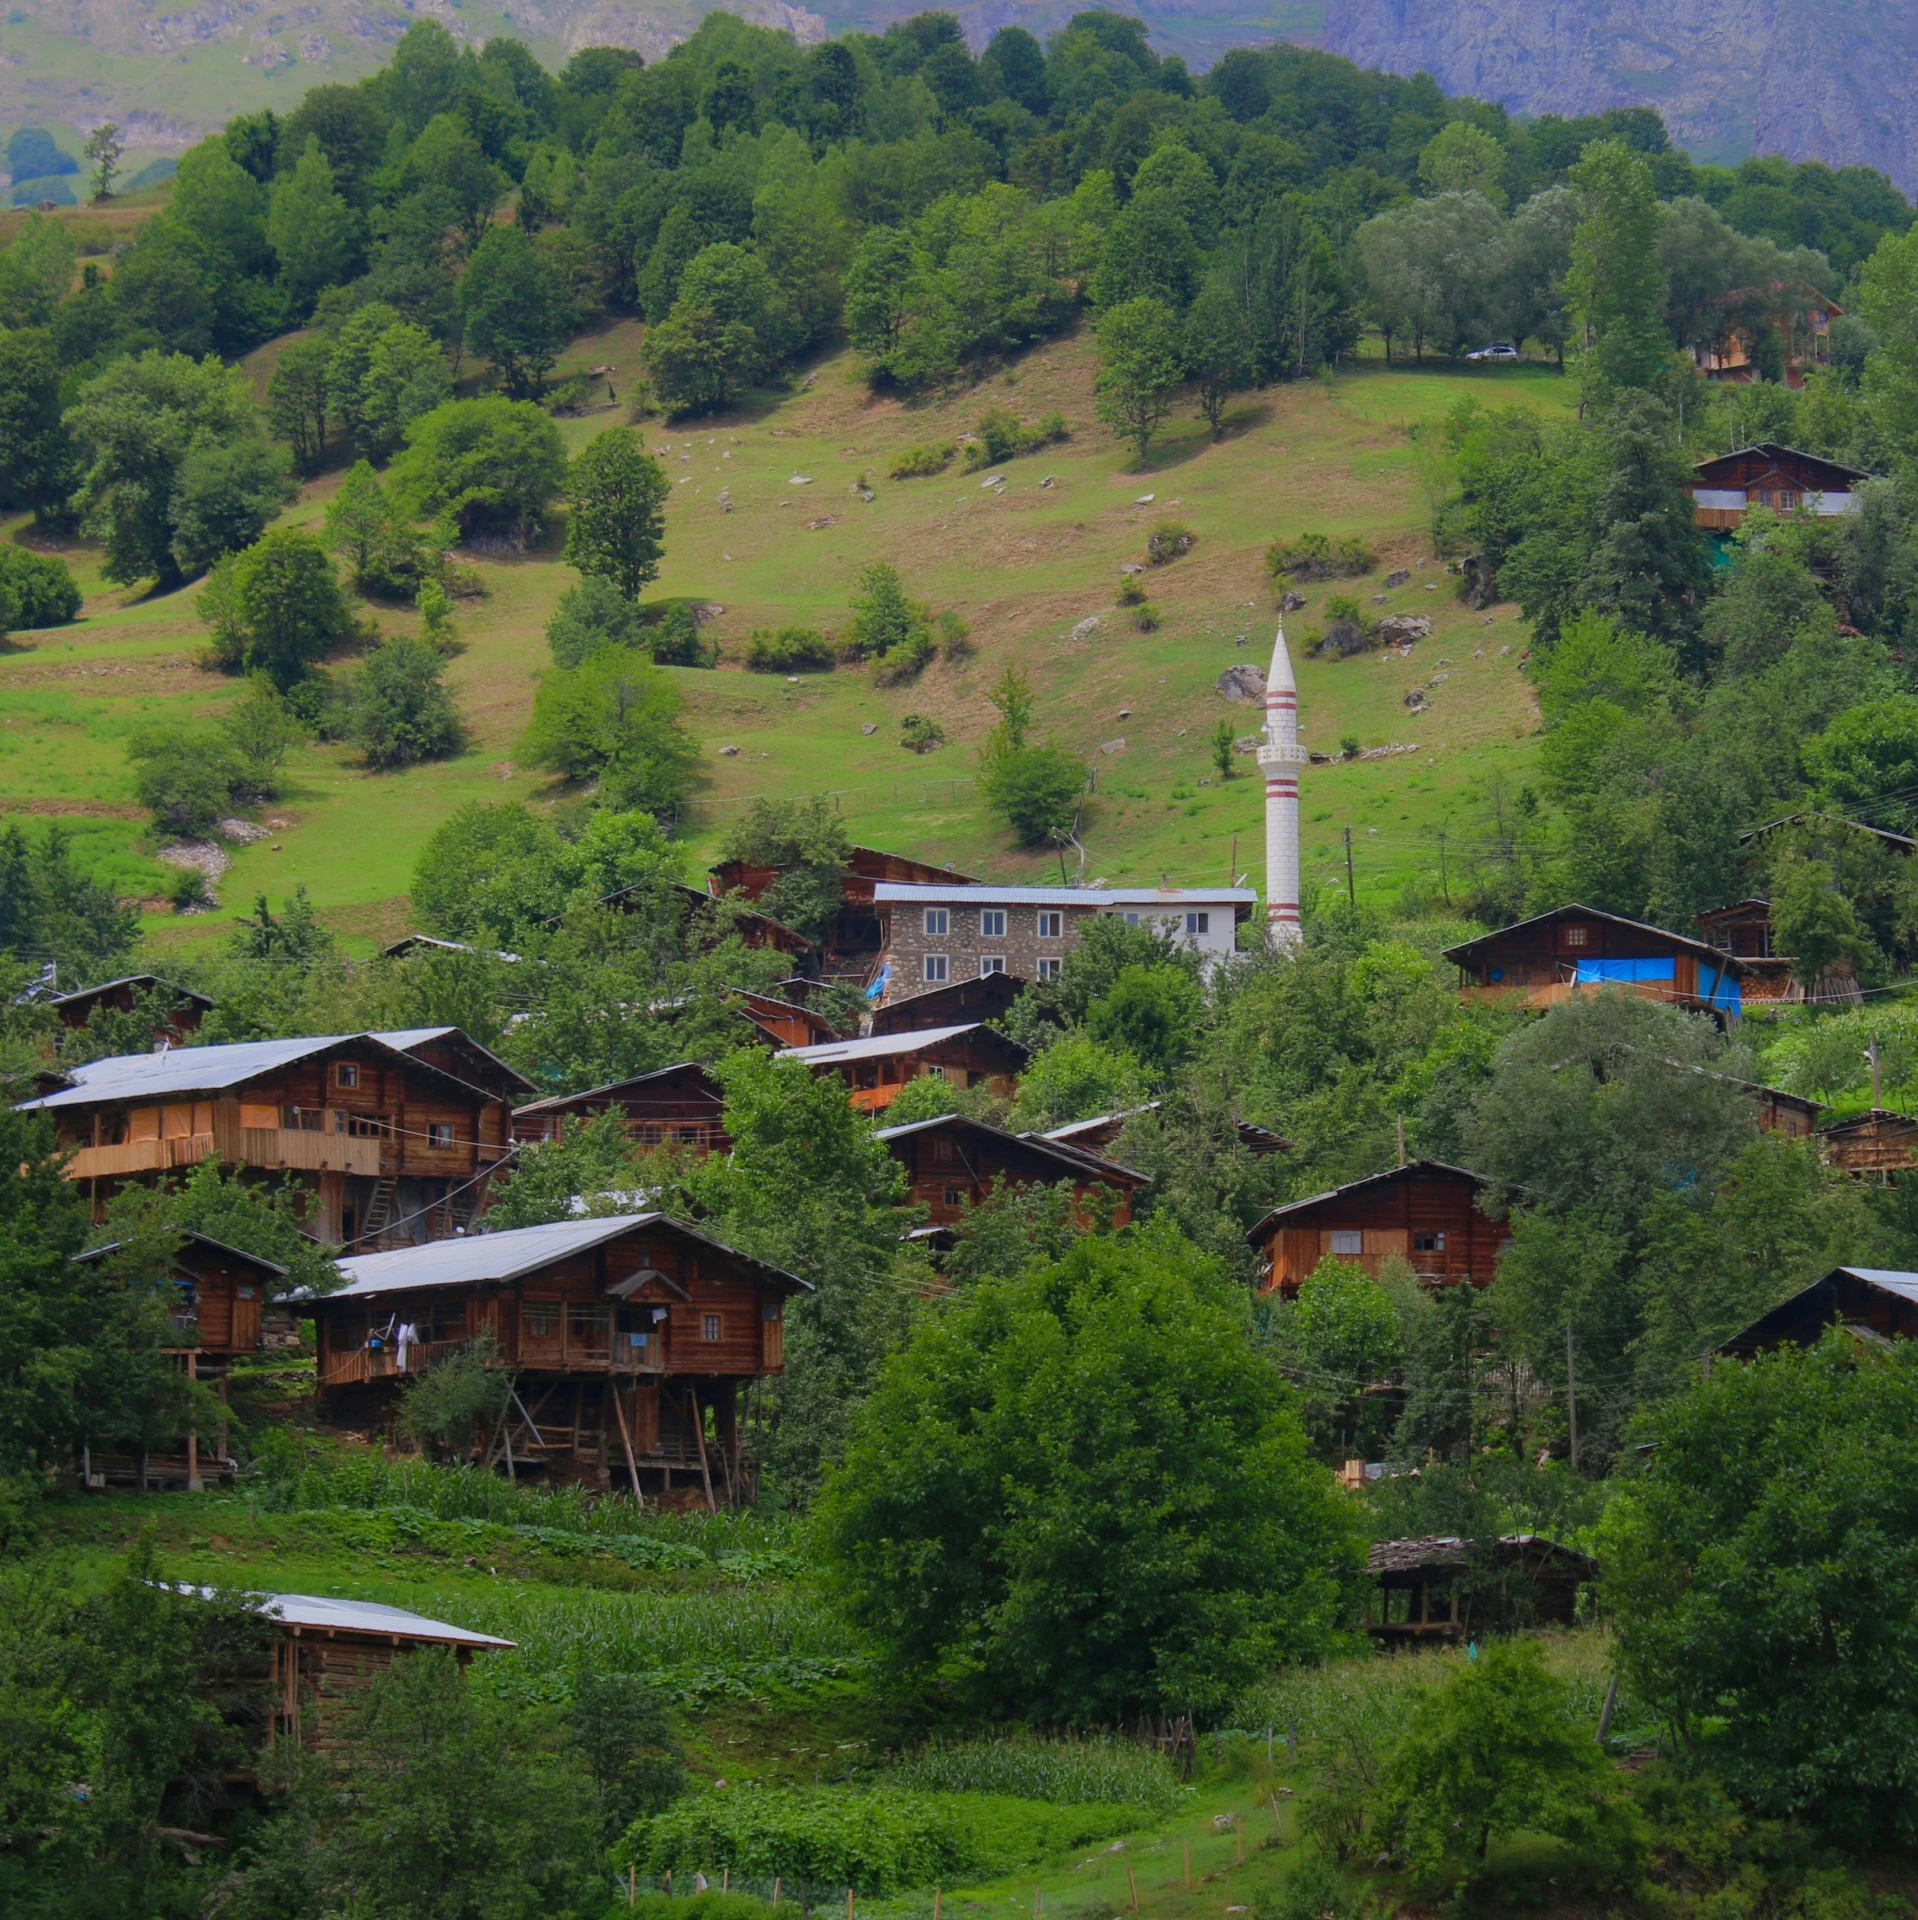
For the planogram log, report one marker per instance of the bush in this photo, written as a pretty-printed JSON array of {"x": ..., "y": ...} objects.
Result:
[
  {"x": 675, "y": 639},
  {"x": 445, "y": 1409},
  {"x": 275, "y": 609},
  {"x": 401, "y": 712},
  {"x": 1312, "y": 556},
  {"x": 890, "y": 627},
  {"x": 1168, "y": 541},
  {"x": 791, "y": 650},
  {"x": 916, "y": 463},
  {"x": 1146, "y": 617},
  {"x": 40, "y": 588},
  {"x": 225, "y": 495},
  {"x": 594, "y": 617},
  {"x": 614, "y": 719},
  {"x": 1003, "y": 436},
  {"x": 900, "y": 665},
  {"x": 1131, "y": 591},
  {"x": 184, "y": 779},
  {"x": 921, "y": 733},
  {"x": 1035, "y": 790}
]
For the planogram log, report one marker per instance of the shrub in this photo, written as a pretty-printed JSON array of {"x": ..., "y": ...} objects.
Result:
[
  {"x": 401, "y": 712},
  {"x": 42, "y": 591},
  {"x": 1345, "y": 631},
  {"x": 899, "y": 666},
  {"x": 614, "y": 719},
  {"x": 1003, "y": 436},
  {"x": 791, "y": 650},
  {"x": 491, "y": 466},
  {"x": 921, "y": 733},
  {"x": 594, "y": 617},
  {"x": 890, "y": 627},
  {"x": 184, "y": 779},
  {"x": 444, "y": 1410},
  {"x": 1131, "y": 592},
  {"x": 275, "y": 609},
  {"x": 916, "y": 463},
  {"x": 1168, "y": 541},
  {"x": 675, "y": 639},
  {"x": 1312, "y": 556},
  {"x": 367, "y": 525},
  {"x": 1145, "y": 617}
]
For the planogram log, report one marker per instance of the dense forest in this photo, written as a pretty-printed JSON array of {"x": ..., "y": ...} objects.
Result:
[{"x": 1066, "y": 1479}]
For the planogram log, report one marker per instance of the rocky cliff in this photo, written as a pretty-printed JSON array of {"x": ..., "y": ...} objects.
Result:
[{"x": 1836, "y": 82}]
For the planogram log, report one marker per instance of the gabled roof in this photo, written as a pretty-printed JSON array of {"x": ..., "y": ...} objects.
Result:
[
  {"x": 156, "y": 1076},
  {"x": 408, "y": 941},
  {"x": 1103, "y": 1126},
  {"x": 1772, "y": 450},
  {"x": 879, "y": 1046},
  {"x": 774, "y": 1008},
  {"x": 1462, "y": 954},
  {"x": 481, "y": 1258},
  {"x": 1070, "y": 1159},
  {"x": 990, "y": 993},
  {"x": 322, "y": 1613},
  {"x": 1268, "y": 1225},
  {"x": 1448, "y": 1550},
  {"x": 145, "y": 981},
  {"x": 1903, "y": 841},
  {"x": 1891, "y": 1281},
  {"x": 613, "y": 1089},
  {"x": 411, "y": 1039},
  {"x": 1875, "y": 1116},
  {"x": 200, "y": 1240}
]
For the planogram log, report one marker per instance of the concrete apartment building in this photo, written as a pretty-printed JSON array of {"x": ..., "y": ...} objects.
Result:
[{"x": 935, "y": 935}]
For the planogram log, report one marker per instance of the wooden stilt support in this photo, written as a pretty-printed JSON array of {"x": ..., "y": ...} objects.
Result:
[
  {"x": 712, "y": 1505},
  {"x": 626, "y": 1441},
  {"x": 194, "y": 1484}
]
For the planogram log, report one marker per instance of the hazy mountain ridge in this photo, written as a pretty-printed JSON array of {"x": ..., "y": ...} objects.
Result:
[{"x": 1743, "y": 76}]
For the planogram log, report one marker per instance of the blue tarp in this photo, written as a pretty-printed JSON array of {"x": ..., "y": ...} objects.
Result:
[{"x": 1593, "y": 973}]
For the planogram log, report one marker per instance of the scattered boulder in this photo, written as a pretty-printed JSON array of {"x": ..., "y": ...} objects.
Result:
[
  {"x": 1047, "y": 481},
  {"x": 1113, "y": 746},
  {"x": 1379, "y": 599},
  {"x": 1401, "y": 629},
  {"x": 871, "y": 726},
  {"x": 866, "y": 494},
  {"x": 800, "y": 480},
  {"x": 1242, "y": 684},
  {"x": 993, "y": 480},
  {"x": 1415, "y": 699},
  {"x": 1145, "y": 499},
  {"x": 731, "y": 753},
  {"x": 824, "y": 520},
  {"x": 1125, "y": 713},
  {"x": 1246, "y": 743},
  {"x": 1132, "y": 566},
  {"x": 1291, "y": 602},
  {"x": 1085, "y": 629},
  {"x": 1398, "y": 577}
]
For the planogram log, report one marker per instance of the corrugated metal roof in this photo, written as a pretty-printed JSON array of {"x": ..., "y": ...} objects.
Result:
[
  {"x": 151, "y": 1076},
  {"x": 616, "y": 1086},
  {"x": 1353, "y": 1186},
  {"x": 1887, "y": 1279},
  {"x": 322, "y": 1611},
  {"x": 877, "y": 1046},
  {"x": 1448, "y": 1550},
  {"x": 470, "y": 1258},
  {"x": 902, "y": 893},
  {"x": 202, "y": 1239},
  {"x": 1573, "y": 911},
  {"x": 1076, "y": 1159},
  {"x": 130, "y": 980}
]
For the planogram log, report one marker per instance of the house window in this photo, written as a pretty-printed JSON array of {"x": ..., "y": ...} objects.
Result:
[
  {"x": 303, "y": 1119},
  {"x": 1348, "y": 1241},
  {"x": 942, "y": 1148},
  {"x": 1052, "y": 925},
  {"x": 992, "y": 923},
  {"x": 1428, "y": 1243},
  {"x": 1575, "y": 936},
  {"x": 363, "y": 1126},
  {"x": 936, "y": 964},
  {"x": 542, "y": 1320},
  {"x": 346, "y": 1073},
  {"x": 991, "y": 963},
  {"x": 1198, "y": 923},
  {"x": 938, "y": 921},
  {"x": 955, "y": 1196},
  {"x": 1049, "y": 966},
  {"x": 1132, "y": 919},
  {"x": 709, "y": 1328},
  {"x": 439, "y": 1133}
]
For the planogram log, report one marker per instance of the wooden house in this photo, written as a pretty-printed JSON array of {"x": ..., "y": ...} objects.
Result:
[
  {"x": 1797, "y": 313},
  {"x": 411, "y": 943},
  {"x": 1767, "y": 475},
  {"x": 1103, "y": 1129},
  {"x": 1792, "y": 1114},
  {"x": 216, "y": 1316},
  {"x": 782, "y": 1023},
  {"x": 1446, "y": 1589},
  {"x": 1876, "y": 1145},
  {"x": 875, "y": 1068},
  {"x": 953, "y": 1162},
  {"x": 1425, "y": 1213},
  {"x": 1552, "y": 956},
  {"x": 458, "y": 1053},
  {"x": 626, "y": 1338},
  {"x": 851, "y": 947},
  {"x": 1874, "y": 1303},
  {"x": 980, "y": 997},
  {"x": 178, "y": 1011},
  {"x": 681, "y": 1106},
  {"x": 323, "y": 1651},
  {"x": 388, "y": 1147},
  {"x": 1744, "y": 929}
]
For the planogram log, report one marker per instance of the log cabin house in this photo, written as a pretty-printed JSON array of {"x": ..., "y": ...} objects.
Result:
[
  {"x": 216, "y": 1316},
  {"x": 953, "y": 1162},
  {"x": 1799, "y": 313},
  {"x": 682, "y": 1106},
  {"x": 1103, "y": 1129},
  {"x": 1548, "y": 958},
  {"x": 782, "y": 1023},
  {"x": 1425, "y": 1213},
  {"x": 1767, "y": 475},
  {"x": 454, "y": 1051},
  {"x": 625, "y": 1338},
  {"x": 178, "y": 1011},
  {"x": 851, "y": 946},
  {"x": 981, "y": 997},
  {"x": 1876, "y": 1146},
  {"x": 1874, "y": 1304},
  {"x": 322, "y": 1651},
  {"x": 1744, "y": 929},
  {"x": 875, "y": 1068},
  {"x": 1449, "y": 1589},
  {"x": 389, "y": 1148}
]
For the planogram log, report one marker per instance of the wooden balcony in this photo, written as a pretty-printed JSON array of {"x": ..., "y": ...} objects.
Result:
[
  {"x": 383, "y": 1363},
  {"x": 269, "y": 1148}
]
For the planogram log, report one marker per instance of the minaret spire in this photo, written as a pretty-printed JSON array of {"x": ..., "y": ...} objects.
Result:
[{"x": 1280, "y": 757}]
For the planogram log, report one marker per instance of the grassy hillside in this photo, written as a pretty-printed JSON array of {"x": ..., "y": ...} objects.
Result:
[{"x": 1024, "y": 568}]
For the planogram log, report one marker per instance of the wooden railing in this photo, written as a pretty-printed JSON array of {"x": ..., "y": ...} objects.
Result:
[
  {"x": 141, "y": 1156},
  {"x": 383, "y": 1363},
  {"x": 267, "y": 1147}
]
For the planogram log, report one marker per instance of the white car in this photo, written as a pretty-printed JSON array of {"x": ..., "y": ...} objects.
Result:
[{"x": 1498, "y": 350}]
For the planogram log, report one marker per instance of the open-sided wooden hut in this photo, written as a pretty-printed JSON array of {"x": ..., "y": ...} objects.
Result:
[
  {"x": 625, "y": 1340},
  {"x": 1446, "y": 1588},
  {"x": 1425, "y": 1213}
]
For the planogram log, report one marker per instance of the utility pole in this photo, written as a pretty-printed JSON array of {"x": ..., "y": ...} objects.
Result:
[
  {"x": 1351, "y": 892},
  {"x": 1232, "y": 869},
  {"x": 1401, "y": 1121},
  {"x": 1445, "y": 885},
  {"x": 1871, "y": 1054},
  {"x": 1571, "y": 1392}
]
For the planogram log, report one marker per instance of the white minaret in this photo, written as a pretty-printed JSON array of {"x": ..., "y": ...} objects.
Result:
[{"x": 1280, "y": 757}]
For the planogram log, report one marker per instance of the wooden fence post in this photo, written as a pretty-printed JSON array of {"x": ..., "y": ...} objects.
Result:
[{"x": 1132, "y": 1886}]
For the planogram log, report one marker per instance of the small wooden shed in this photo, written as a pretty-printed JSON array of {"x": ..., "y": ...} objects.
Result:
[
  {"x": 1875, "y": 1303},
  {"x": 1446, "y": 1588},
  {"x": 1877, "y": 1146},
  {"x": 178, "y": 1011}
]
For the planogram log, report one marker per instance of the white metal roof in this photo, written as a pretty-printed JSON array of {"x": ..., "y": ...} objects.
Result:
[
  {"x": 1887, "y": 1280},
  {"x": 150, "y": 1076},
  {"x": 903, "y": 893},
  {"x": 358, "y": 1616},
  {"x": 467, "y": 1258},
  {"x": 129, "y": 980},
  {"x": 877, "y": 1046}
]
